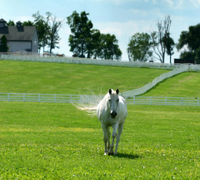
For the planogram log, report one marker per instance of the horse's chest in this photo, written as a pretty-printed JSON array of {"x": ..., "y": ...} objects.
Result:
[{"x": 110, "y": 121}]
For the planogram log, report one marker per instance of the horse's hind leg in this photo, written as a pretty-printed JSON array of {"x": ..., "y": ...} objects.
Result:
[
  {"x": 108, "y": 134},
  {"x": 120, "y": 128}
]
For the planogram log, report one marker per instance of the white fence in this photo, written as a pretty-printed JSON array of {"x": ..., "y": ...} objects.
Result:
[
  {"x": 50, "y": 98},
  {"x": 151, "y": 100},
  {"x": 72, "y": 60},
  {"x": 158, "y": 79},
  {"x": 82, "y": 99}
]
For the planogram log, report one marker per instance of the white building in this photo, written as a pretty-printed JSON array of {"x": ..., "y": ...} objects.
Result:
[{"x": 19, "y": 38}]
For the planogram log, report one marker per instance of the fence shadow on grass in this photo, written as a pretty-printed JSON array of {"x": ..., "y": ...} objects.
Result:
[{"x": 128, "y": 156}]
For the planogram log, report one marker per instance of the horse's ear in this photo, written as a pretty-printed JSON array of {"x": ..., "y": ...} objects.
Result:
[
  {"x": 110, "y": 91},
  {"x": 117, "y": 91}
]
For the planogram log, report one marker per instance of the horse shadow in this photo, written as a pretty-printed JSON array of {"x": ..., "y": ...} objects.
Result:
[{"x": 128, "y": 156}]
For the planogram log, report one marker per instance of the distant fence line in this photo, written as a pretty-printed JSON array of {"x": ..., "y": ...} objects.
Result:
[
  {"x": 71, "y": 60},
  {"x": 158, "y": 79},
  {"x": 84, "y": 99}
]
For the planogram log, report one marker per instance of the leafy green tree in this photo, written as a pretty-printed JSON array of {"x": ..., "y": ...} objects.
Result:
[
  {"x": 10, "y": 23},
  {"x": 94, "y": 45},
  {"x": 27, "y": 23},
  {"x": 169, "y": 44},
  {"x": 54, "y": 26},
  {"x": 81, "y": 29},
  {"x": 47, "y": 29},
  {"x": 190, "y": 41},
  {"x": 41, "y": 26},
  {"x": 197, "y": 56},
  {"x": 139, "y": 47},
  {"x": 3, "y": 44},
  {"x": 85, "y": 41},
  {"x": 109, "y": 48}
]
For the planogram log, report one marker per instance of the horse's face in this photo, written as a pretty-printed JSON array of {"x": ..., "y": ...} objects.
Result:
[{"x": 113, "y": 102}]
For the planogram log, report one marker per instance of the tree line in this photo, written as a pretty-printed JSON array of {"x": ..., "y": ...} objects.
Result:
[
  {"x": 156, "y": 44},
  {"x": 86, "y": 42}
]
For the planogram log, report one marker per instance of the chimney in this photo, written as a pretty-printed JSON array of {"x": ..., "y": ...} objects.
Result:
[
  {"x": 19, "y": 24},
  {"x": 2, "y": 23}
]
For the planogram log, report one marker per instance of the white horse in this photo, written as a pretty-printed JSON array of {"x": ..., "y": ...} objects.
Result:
[{"x": 112, "y": 111}]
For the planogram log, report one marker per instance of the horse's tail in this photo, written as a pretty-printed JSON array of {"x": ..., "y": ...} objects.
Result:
[{"x": 88, "y": 103}]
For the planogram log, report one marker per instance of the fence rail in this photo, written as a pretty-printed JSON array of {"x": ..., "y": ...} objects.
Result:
[
  {"x": 71, "y": 60},
  {"x": 84, "y": 99},
  {"x": 50, "y": 98},
  {"x": 158, "y": 79}
]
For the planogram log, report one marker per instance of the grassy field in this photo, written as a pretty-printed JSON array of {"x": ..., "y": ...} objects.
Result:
[
  {"x": 186, "y": 84},
  {"x": 57, "y": 141},
  {"x": 54, "y": 78}
]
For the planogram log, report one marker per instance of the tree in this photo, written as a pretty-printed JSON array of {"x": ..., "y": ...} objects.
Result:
[
  {"x": 3, "y": 44},
  {"x": 139, "y": 47},
  {"x": 81, "y": 29},
  {"x": 10, "y": 23},
  {"x": 169, "y": 44},
  {"x": 95, "y": 47},
  {"x": 158, "y": 38},
  {"x": 109, "y": 48},
  {"x": 47, "y": 29},
  {"x": 190, "y": 41},
  {"x": 27, "y": 23},
  {"x": 85, "y": 41},
  {"x": 41, "y": 26},
  {"x": 54, "y": 26}
]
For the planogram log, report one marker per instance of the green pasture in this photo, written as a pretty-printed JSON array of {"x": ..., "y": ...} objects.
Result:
[
  {"x": 57, "y": 141},
  {"x": 186, "y": 84},
  {"x": 55, "y": 78}
]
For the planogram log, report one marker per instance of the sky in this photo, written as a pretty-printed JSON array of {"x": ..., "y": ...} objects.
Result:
[{"x": 123, "y": 18}]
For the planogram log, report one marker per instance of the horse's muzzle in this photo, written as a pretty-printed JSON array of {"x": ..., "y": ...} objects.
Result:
[{"x": 113, "y": 114}]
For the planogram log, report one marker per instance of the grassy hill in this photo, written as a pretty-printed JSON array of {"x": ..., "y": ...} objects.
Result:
[
  {"x": 186, "y": 84},
  {"x": 54, "y": 78}
]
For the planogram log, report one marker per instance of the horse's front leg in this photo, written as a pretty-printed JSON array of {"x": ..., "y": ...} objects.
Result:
[
  {"x": 120, "y": 128},
  {"x": 114, "y": 134},
  {"x": 108, "y": 134},
  {"x": 105, "y": 138}
]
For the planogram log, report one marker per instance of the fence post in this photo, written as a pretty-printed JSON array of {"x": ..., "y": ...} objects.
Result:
[
  {"x": 8, "y": 96},
  {"x": 133, "y": 99},
  {"x": 38, "y": 97},
  {"x": 55, "y": 98},
  {"x": 150, "y": 101},
  {"x": 182, "y": 101},
  {"x": 165, "y": 100},
  {"x": 24, "y": 97},
  {"x": 198, "y": 102}
]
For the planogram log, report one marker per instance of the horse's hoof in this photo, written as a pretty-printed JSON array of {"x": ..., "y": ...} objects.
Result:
[{"x": 110, "y": 153}]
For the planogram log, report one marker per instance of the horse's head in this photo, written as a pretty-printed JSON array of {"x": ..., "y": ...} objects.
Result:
[{"x": 113, "y": 102}]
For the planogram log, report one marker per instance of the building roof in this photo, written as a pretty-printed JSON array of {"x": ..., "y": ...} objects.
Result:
[
  {"x": 22, "y": 33},
  {"x": 2, "y": 20}
]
